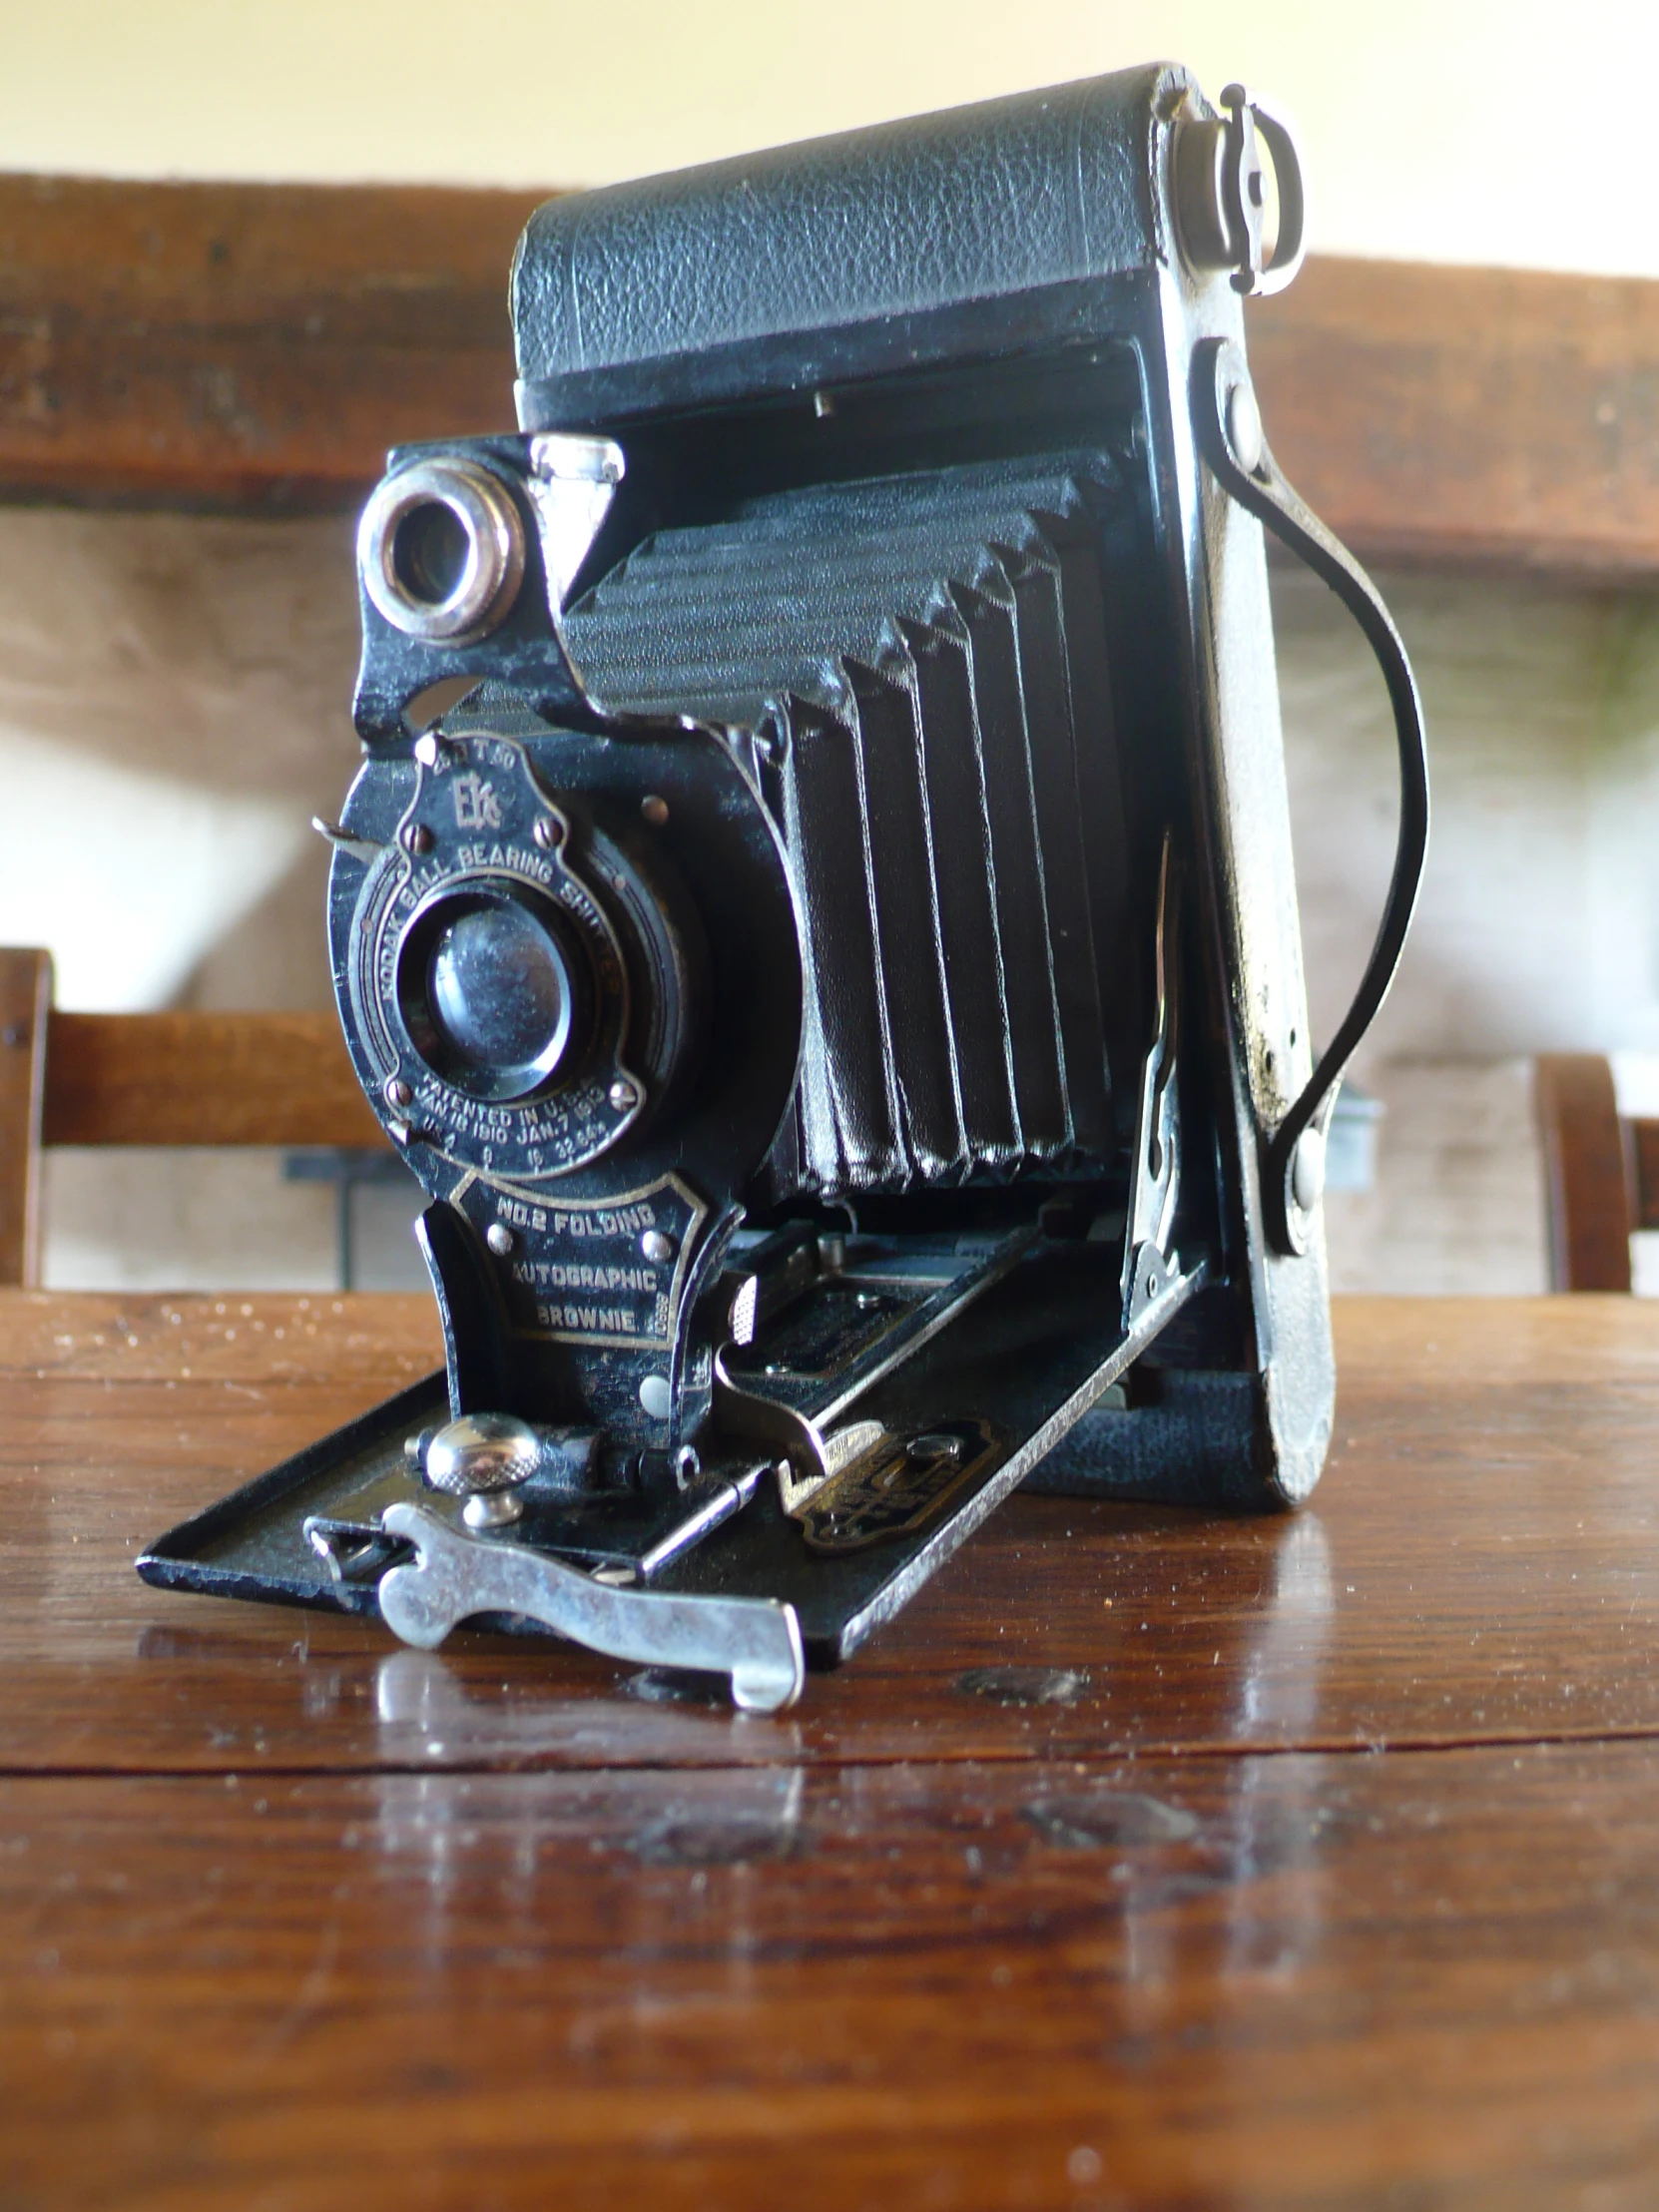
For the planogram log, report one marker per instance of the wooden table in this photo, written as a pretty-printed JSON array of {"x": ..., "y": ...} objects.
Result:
[{"x": 1148, "y": 1860}]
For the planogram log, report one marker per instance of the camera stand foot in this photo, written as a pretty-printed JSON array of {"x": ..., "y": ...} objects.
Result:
[{"x": 756, "y": 1641}]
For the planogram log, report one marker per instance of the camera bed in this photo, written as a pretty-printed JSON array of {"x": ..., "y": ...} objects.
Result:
[{"x": 1018, "y": 1367}]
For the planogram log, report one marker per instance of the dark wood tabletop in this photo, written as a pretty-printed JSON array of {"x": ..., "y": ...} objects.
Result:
[{"x": 1149, "y": 1859}]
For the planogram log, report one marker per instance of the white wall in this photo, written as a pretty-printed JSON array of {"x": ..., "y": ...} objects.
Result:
[
  {"x": 1538, "y": 925},
  {"x": 1513, "y": 130},
  {"x": 175, "y": 704}
]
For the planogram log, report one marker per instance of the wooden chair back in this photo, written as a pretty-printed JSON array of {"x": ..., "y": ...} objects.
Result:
[
  {"x": 155, "y": 1079},
  {"x": 1602, "y": 1173}
]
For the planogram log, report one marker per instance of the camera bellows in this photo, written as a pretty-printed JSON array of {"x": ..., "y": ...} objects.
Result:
[{"x": 926, "y": 660}]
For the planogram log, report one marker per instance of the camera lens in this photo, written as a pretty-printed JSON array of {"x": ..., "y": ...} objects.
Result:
[{"x": 492, "y": 992}]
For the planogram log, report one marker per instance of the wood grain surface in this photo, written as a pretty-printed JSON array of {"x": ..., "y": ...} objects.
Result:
[
  {"x": 257, "y": 348},
  {"x": 194, "y": 1078},
  {"x": 1644, "y": 1161},
  {"x": 1148, "y": 1859},
  {"x": 245, "y": 347},
  {"x": 1297, "y": 1980},
  {"x": 1468, "y": 416},
  {"x": 1588, "y": 1172},
  {"x": 25, "y": 1004}
]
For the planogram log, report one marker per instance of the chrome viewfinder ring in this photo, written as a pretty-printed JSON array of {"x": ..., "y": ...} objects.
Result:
[{"x": 440, "y": 550}]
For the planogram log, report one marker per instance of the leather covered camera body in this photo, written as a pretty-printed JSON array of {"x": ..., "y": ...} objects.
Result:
[{"x": 816, "y": 909}]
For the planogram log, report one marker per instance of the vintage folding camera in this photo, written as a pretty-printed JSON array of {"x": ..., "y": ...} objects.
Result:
[{"x": 816, "y": 909}]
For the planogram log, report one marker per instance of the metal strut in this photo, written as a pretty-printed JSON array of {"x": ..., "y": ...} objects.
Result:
[{"x": 1149, "y": 1259}]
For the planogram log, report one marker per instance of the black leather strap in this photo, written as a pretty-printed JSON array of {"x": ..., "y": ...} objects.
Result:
[{"x": 1223, "y": 419}]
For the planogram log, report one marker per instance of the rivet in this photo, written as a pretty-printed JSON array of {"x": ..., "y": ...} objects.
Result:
[
  {"x": 935, "y": 1443},
  {"x": 1243, "y": 428},
  {"x": 500, "y": 1238},
  {"x": 654, "y": 809},
  {"x": 397, "y": 1093},
  {"x": 1308, "y": 1169},
  {"x": 418, "y": 838},
  {"x": 657, "y": 1248}
]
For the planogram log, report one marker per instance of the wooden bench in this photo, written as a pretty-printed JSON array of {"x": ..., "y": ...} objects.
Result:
[
  {"x": 155, "y": 1079},
  {"x": 1602, "y": 1173}
]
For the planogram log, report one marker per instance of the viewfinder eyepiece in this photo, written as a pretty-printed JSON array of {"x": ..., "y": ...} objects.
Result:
[{"x": 440, "y": 550}]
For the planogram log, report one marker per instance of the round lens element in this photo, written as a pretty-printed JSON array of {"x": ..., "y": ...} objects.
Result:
[
  {"x": 499, "y": 988},
  {"x": 491, "y": 992}
]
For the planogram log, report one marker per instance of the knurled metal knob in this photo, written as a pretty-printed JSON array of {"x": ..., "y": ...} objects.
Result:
[{"x": 483, "y": 1457}]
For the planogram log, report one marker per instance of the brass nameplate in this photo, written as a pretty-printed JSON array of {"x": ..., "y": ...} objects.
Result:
[{"x": 896, "y": 1485}]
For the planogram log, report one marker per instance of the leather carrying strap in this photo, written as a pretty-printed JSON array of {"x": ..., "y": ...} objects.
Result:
[{"x": 1229, "y": 435}]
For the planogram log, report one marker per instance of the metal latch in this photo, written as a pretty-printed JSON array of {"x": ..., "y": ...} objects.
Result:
[
  {"x": 454, "y": 1577},
  {"x": 1220, "y": 192}
]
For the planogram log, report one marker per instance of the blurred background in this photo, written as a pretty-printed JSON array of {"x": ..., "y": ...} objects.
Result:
[{"x": 175, "y": 676}]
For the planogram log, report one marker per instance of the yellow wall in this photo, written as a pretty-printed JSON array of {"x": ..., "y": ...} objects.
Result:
[{"x": 1429, "y": 127}]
